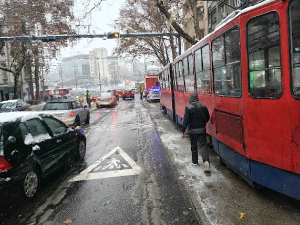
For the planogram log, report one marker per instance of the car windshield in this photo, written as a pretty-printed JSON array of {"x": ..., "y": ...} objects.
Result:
[
  {"x": 105, "y": 95},
  {"x": 8, "y": 105},
  {"x": 154, "y": 92},
  {"x": 57, "y": 106}
]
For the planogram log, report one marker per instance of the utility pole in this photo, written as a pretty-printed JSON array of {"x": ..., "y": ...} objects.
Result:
[
  {"x": 99, "y": 74},
  {"x": 61, "y": 76},
  {"x": 75, "y": 74}
]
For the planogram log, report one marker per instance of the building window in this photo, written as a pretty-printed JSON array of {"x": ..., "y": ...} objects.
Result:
[
  {"x": 264, "y": 56},
  {"x": 227, "y": 64}
]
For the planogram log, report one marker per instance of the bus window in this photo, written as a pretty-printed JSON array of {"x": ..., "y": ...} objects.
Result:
[
  {"x": 188, "y": 73},
  {"x": 264, "y": 56},
  {"x": 294, "y": 10},
  {"x": 227, "y": 70},
  {"x": 202, "y": 70}
]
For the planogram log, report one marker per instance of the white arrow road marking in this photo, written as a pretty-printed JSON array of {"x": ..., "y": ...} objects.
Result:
[{"x": 86, "y": 175}]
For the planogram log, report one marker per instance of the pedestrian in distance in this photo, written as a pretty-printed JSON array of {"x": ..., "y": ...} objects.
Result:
[
  {"x": 195, "y": 119},
  {"x": 141, "y": 95},
  {"x": 45, "y": 98},
  {"x": 88, "y": 98}
]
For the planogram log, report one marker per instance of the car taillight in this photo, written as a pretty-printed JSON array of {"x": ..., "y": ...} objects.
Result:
[
  {"x": 72, "y": 114},
  {"x": 4, "y": 165},
  {"x": 112, "y": 98},
  {"x": 150, "y": 95}
]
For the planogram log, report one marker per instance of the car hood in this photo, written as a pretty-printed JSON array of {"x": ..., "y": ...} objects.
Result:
[{"x": 54, "y": 112}]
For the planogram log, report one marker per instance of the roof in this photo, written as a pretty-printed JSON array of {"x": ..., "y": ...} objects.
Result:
[
  {"x": 13, "y": 101},
  {"x": 23, "y": 116},
  {"x": 61, "y": 101}
]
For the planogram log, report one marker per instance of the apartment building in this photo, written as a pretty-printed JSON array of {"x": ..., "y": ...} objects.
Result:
[
  {"x": 219, "y": 10},
  {"x": 188, "y": 20}
]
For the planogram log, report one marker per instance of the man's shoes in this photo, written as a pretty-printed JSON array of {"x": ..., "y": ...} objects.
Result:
[
  {"x": 206, "y": 167},
  {"x": 194, "y": 164}
]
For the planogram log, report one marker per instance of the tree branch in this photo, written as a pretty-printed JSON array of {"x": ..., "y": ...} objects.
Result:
[{"x": 180, "y": 31}]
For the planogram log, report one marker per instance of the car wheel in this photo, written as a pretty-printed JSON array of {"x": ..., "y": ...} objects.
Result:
[
  {"x": 87, "y": 120},
  {"x": 77, "y": 121},
  {"x": 81, "y": 149},
  {"x": 31, "y": 184}
]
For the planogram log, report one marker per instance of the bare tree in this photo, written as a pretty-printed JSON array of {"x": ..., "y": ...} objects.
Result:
[
  {"x": 140, "y": 16},
  {"x": 35, "y": 17}
]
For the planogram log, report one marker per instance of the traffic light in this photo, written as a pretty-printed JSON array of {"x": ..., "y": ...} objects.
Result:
[{"x": 113, "y": 35}]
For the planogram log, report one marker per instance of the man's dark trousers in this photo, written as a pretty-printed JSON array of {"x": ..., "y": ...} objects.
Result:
[{"x": 201, "y": 139}]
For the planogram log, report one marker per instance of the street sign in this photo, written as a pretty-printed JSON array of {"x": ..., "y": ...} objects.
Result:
[{"x": 116, "y": 163}]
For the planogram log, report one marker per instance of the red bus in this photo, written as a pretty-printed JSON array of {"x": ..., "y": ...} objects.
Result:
[{"x": 247, "y": 72}]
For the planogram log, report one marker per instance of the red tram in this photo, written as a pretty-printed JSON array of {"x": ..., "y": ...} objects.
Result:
[{"x": 247, "y": 72}]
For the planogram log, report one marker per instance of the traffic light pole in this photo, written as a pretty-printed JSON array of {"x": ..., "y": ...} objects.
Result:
[{"x": 49, "y": 38}]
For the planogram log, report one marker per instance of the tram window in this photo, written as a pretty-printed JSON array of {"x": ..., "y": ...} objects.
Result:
[
  {"x": 167, "y": 80},
  {"x": 188, "y": 73},
  {"x": 198, "y": 60},
  {"x": 227, "y": 71},
  {"x": 160, "y": 81},
  {"x": 202, "y": 70},
  {"x": 180, "y": 82},
  {"x": 205, "y": 58},
  {"x": 294, "y": 10},
  {"x": 232, "y": 46},
  {"x": 218, "y": 52},
  {"x": 264, "y": 56}
]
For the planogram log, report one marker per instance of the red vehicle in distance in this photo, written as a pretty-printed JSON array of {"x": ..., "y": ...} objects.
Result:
[{"x": 128, "y": 94}]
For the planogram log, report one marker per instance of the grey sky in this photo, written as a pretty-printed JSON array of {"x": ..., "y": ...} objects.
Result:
[{"x": 100, "y": 21}]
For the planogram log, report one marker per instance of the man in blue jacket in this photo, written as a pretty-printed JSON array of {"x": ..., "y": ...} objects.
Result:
[{"x": 195, "y": 119}]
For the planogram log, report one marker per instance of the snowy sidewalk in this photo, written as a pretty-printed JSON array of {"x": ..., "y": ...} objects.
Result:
[{"x": 222, "y": 197}]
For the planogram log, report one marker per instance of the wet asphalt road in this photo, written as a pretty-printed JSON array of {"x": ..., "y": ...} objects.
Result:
[{"x": 116, "y": 190}]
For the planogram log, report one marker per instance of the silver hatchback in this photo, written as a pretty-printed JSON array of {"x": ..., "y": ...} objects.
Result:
[{"x": 107, "y": 99}]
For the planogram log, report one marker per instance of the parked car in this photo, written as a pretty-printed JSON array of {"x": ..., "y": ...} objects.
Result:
[
  {"x": 106, "y": 99},
  {"x": 128, "y": 94},
  {"x": 33, "y": 145},
  {"x": 14, "y": 105},
  {"x": 153, "y": 96},
  {"x": 69, "y": 111}
]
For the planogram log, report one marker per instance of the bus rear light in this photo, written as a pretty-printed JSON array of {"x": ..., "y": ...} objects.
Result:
[
  {"x": 4, "y": 165},
  {"x": 72, "y": 114}
]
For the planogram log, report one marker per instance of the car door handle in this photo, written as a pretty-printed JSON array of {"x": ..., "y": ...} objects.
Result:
[{"x": 58, "y": 140}]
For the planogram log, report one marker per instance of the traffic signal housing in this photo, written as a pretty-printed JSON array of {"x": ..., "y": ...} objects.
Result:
[{"x": 113, "y": 35}]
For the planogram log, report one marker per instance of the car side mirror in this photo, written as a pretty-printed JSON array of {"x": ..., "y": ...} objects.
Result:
[
  {"x": 85, "y": 107},
  {"x": 12, "y": 139},
  {"x": 70, "y": 128}
]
